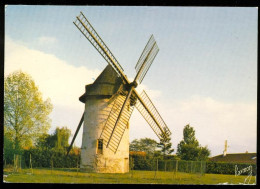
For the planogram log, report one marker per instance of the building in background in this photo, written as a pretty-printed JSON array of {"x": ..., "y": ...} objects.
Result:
[{"x": 235, "y": 157}]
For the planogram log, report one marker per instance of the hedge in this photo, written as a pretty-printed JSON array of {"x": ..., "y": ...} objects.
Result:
[
  {"x": 230, "y": 168},
  {"x": 49, "y": 158},
  {"x": 45, "y": 158},
  {"x": 141, "y": 163}
]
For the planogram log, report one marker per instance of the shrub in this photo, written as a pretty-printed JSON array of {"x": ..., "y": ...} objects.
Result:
[
  {"x": 44, "y": 158},
  {"x": 228, "y": 168}
]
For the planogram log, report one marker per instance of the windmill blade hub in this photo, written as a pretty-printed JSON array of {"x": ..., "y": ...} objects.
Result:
[
  {"x": 128, "y": 87},
  {"x": 134, "y": 84}
]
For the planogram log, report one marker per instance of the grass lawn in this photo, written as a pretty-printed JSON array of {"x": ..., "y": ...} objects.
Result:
[{"x": 135, "y": 177}]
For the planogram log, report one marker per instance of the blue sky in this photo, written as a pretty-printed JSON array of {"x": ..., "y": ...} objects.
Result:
[{"x": 205, "y": 73}]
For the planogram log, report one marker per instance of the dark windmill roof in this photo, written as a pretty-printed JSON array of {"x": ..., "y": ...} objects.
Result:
[
  {"x": 236, "y": 158},
  {"x": 105, "y": 85}
]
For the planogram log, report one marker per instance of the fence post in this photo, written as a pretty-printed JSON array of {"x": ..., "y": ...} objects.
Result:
[
  {"x": 155, "y": 173},
  {"x": 14, "y": 164},
  {"x": 132, "y": 166},
  {"x": 176, "y": 168},
  {"x": 51, "y": 166},
  {"x": 200, "y": 167},
  {"x": 31, "y": 163},
  {"x": 173, "y": 169},
  {"x": 20, "y": 163},
  {"x": 157, "y": 165},
  {"x": 191, "y": 166},
  {"x": 77, "y": 167}
]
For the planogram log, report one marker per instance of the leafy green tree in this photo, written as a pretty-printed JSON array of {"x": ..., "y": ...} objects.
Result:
[
  {"x": 165, "y": 146},
  {"x": 189, "y": 136},
  {"x": 204, "y": 153},
  {"x": 46, "y": 141},
  {"x": 189, "y": 148},
  {"x": 9, "y": 150},
  {"x": 146, "y": 145},
  {"x": 25, "y": 112},
  {"x": 62, "y": 137},
  {"x": 58, "y": 140}
]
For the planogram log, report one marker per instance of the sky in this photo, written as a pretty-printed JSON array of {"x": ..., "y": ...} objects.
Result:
[{"x": 205, "y": 73}]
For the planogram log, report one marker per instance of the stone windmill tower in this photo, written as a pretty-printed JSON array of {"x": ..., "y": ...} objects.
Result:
[{"x": 109, "y": 103}]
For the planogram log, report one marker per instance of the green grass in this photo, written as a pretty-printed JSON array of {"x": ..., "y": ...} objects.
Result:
[{"x": 134, "y": 177}]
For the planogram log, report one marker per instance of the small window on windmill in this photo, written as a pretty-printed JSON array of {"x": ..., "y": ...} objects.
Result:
[{"x": 100, "y": 146}]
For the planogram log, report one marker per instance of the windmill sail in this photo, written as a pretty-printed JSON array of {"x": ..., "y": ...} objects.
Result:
[
  {"x": 90, "y": 33},
  {"x": 143, "y": 65},
  {"x": 122, "y": 108},
  {"x": 152, "y": 116},
  {"x": 146, "y": 59},
  {"x": 112, "y": 133}
]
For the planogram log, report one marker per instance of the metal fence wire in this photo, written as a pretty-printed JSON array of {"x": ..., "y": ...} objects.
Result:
[
  {"x": 194, "y": 167},
  {"x": 144, "y": 169}
]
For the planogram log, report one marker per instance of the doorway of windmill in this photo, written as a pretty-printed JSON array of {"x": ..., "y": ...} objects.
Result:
[{"x": 126, "y": 165}]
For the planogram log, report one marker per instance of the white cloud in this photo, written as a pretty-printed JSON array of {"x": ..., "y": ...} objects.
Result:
[
  {"x": 214, "y": 122},
  {"x": 56, "y": 79},
  {"x": 45, "y": 40},
  {"x": 152, "y": 93}
]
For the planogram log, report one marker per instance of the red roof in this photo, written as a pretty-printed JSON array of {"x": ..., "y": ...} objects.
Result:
[
  {"x": 236, "y": 158},
  {"x": 76, "y": 151},
  {"x": 137, "y": 153}
]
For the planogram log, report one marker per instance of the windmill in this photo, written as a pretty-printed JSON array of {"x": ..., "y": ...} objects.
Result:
[{"x": 109, "y": 103}]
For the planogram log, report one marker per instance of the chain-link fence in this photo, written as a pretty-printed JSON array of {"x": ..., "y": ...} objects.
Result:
[
  {"x": 158, "y": 165},
  {"x": 141, "y": 170},
  {"x": 182, "y": 166},
  {"x": 17, "y": 163},
  {"x": 199, "y": 167},
  {"x": 36, "y": 160}
]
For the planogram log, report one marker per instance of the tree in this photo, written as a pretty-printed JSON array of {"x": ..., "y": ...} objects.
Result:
[
  {"x": 46, "y": 141},
  {"x": 144, "y": 144},
  {"x": 166, "y": 146},
  {"x": 58, "y": 140},
  {"x": 25, "y": 112},
  {"x": 204, "y": 153},
  {"x": 62, "y": 137},
  {"x": 143, "y": 161},
  {"x": 189, "y": 148},
  {"x": 8, "y": 150}
]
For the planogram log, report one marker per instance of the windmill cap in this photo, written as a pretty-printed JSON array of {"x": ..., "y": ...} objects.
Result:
[{"x": 105, "y": 85}]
